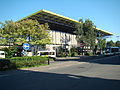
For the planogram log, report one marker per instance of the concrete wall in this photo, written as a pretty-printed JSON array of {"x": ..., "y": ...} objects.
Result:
[{"x": 60, "y": 38}]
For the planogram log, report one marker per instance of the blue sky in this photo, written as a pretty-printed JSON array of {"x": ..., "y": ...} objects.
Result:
[{"x": 104, "y": 13}]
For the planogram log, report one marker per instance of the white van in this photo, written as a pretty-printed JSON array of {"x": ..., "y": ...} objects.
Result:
[
  {"x": 49, "y": 53},
  {"x": 2, "y": 54}
]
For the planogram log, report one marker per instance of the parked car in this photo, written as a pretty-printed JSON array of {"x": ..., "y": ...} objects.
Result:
[{"x": 2, "y": 54}]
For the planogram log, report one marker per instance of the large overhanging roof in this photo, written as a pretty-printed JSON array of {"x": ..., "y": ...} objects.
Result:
[{"x": 51, "y": 17}]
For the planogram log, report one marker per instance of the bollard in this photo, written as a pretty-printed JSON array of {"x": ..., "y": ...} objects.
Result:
[{"x": 48, "y": 61}]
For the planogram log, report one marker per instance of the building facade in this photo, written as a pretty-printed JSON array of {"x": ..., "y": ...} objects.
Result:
[
  {"x": 61, "y": 29},
  {"x": 59, "y": 38}
]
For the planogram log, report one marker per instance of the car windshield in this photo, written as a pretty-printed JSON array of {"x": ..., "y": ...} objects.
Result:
[
  {"x": 2, "y": 53},
  {"x": 107, "y": 50},
  {"x": 47, "y": 53}
]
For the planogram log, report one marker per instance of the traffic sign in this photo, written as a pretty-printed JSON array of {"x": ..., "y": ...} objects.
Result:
[{"x": 26, "y": 46}]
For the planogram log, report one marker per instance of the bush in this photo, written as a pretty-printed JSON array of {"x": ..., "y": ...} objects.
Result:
[
  {"x": 28, "y": 61},
  {"x": 19, "y": 62},
  {"x": 73, "y": 54},
  {"x": 89, "y": 54},
  {"x": 6, "y": 64},
  {"x": 62, "y": 52},
  {"x": 72, "y": 49}
]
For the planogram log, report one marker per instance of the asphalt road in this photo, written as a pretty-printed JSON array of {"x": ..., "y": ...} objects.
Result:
[{"x": 97, "y": 74}]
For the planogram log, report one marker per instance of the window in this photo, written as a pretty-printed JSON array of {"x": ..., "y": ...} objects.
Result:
[{"x": 2, "y": 53}]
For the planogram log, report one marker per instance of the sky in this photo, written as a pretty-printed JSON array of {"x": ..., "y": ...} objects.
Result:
[{"x": 105, "y": 14}]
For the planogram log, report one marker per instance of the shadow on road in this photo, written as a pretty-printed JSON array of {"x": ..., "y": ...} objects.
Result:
[
  {"x": 112, "y": 60},
  {"x": 31, "y": 80}
]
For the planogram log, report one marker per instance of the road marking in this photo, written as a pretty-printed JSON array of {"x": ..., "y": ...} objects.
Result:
[{"x": 74, "y": 77}]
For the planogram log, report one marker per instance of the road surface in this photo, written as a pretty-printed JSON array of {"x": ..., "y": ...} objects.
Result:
[{"x": 97, "y": 74}]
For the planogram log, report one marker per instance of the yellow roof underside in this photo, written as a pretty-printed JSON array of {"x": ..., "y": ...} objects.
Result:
[{"x": 46, "y": 11}]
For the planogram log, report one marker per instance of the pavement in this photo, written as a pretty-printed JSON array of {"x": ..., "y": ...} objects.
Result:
[
  {"x": 63, "y": 62},
  {"x": 54, "y": 65}
]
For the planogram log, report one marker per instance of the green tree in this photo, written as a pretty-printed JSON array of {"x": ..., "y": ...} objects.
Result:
[
  {"x": 24, "y": 31},
  {"x": 89, "y": 33},
  {"x": 117, "y": 44},
  {"x": 79, "y": 30},
  {"x": 86, "y": 32},
  {"x": 8, "y": 32},
  {"x": 110, "y": 43},
  {"x": 102, "y": 44}
]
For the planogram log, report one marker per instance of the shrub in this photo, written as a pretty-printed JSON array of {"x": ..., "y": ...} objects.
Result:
[
  {"x": 73, "y": 54},
  {"x": 72, "y": 49},
  {"x": 28, "y": 61},
  {"x": 9, "y": 51},
  {"x": 89, "y": 54},
  {"x": 6, "y": 64},
  {"x": 62, "y": 52},
  {"x": 19, "y": 62}
]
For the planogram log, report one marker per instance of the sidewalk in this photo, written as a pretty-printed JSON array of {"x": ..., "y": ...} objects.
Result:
[
  {"x": 78, "y": 58},
  {"x": 54, "y": 65},
  {"x": 62, "y": 62}
]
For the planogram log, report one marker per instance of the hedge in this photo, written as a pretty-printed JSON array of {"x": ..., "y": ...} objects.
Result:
[
  {"x": 89, "y": 54},
  {"x": 19, "y": 62}
]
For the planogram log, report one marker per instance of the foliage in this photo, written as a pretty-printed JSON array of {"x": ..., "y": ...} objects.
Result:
[
  {"x": 86, "y": 33},
  {"x": 6, "y": 64},
  {"x": 79, "y": 30},
  {"x": 117, "y": 43},
  {"x": 8, "y": 32},
  {"x": 113, "y": 44},
  {"x": 10, "y": 51},
  {"x": 19, "y": 62},
  {"x": 28, "y": 61},
  {"x": 72, "y": 49},
  {"x": 102, "y": 43},
  {"x": 89, "y": 33},
  {"x": 89, "y": 54},
  {"x": 62, "y": 52},
  {"x": 73, "y": 54},
  {"x": 110, "y": 43},
  {"x": 19, "y": 32}
]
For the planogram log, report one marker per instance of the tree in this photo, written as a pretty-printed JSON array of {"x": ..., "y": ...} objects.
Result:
[
  {"x": 102, "y": 44},
  {"x": 8, "y": 32},
  {"x": 110, "y": 43},
  {"x": 25, "y": 31},
  {"x": 117, "y": 43},
  {"x": 79, "y": 30},
  {"x": 86, "y": 32},
  {"x": 89, "y": 33}
]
